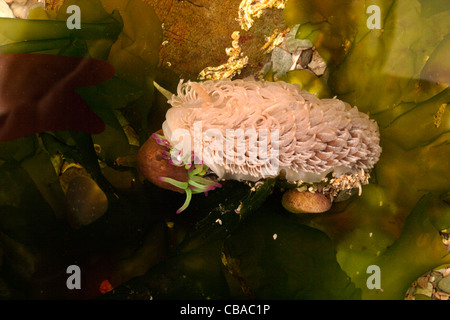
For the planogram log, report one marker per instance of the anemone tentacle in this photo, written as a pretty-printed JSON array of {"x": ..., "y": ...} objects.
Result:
[{"x": 197, "y": 183}]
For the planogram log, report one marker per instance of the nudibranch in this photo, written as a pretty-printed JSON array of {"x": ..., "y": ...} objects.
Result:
[{"x": 250, "y": 130}]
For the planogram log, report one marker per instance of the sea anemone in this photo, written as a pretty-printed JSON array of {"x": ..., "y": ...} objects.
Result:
[
  {"x": 155, "y": 164},
  {"x": 250, "y": 130}
]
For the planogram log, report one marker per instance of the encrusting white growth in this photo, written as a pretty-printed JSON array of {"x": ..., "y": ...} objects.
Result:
[{"x": 314, "y": 136}]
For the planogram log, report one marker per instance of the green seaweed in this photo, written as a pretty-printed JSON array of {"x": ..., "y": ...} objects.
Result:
[{"x": 391, "y": 74}]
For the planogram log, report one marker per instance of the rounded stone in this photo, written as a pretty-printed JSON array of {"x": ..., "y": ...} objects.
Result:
[
  {"x": 86, "y": 201},
  {"x": 444, "y": 284},
  {"x": 305, "y": 202}
]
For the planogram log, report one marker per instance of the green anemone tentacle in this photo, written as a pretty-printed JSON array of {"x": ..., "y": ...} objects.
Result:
[
  {"x": 199, "y": 169},
  {"x": 204, "y": 181},
  {"x": 187, "y": 201},
  {"x": 195, "y": 184},
  {"x": 176, "y": 183}
]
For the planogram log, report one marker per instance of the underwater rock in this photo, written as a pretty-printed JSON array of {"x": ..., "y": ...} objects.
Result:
[
  {"x": 196, "y": 34},
  {"x": 444, "y": 284},
  {"x": 305, "y": 202},
  {"x": 86, "y": 201}
]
